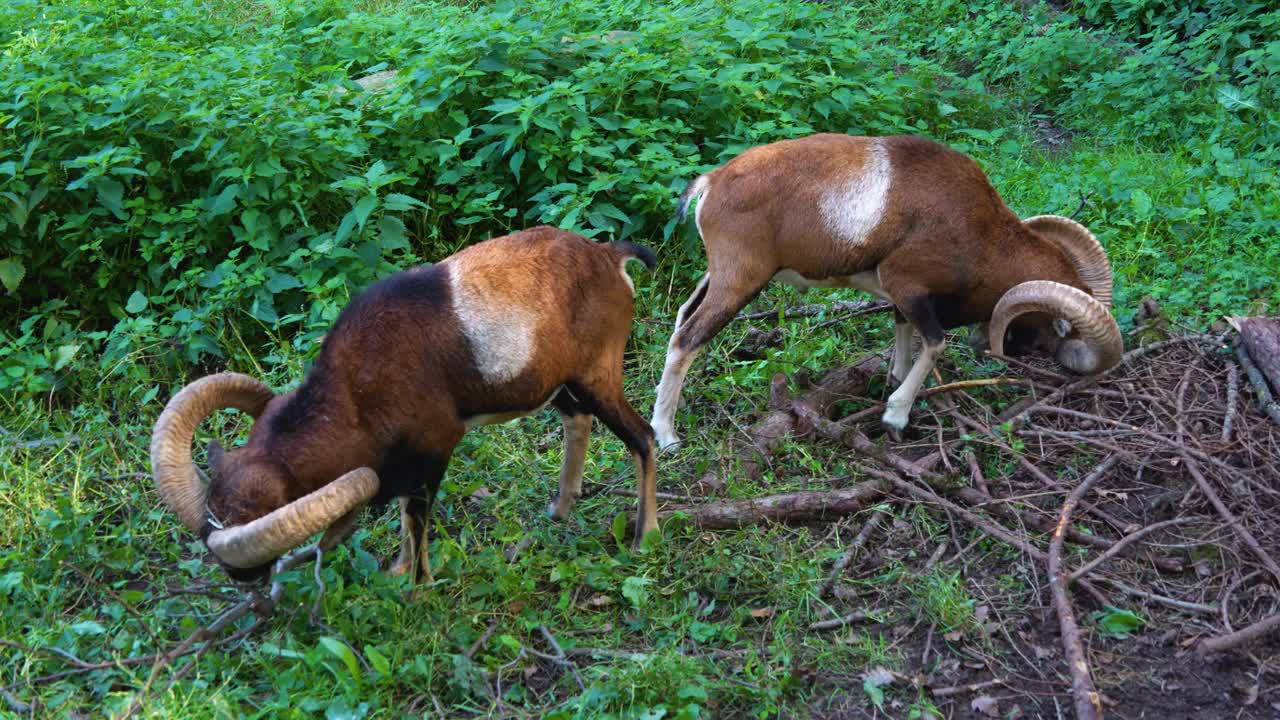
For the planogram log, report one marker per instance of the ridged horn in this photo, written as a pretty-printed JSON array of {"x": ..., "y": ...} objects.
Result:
[
  {"x": 1082, "y": 247},
  {"x": 171, "y": 465},
  {"x": 274, "y": 534},
  {"x": 1096, "y": 344}
]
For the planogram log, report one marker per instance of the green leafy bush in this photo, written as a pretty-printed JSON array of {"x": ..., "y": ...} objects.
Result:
[{"x": 168, "y": 173}]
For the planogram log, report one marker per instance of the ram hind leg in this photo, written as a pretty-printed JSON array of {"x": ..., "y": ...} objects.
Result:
[
  {"x": 605, "y": 396},
  {"x": 717, "y": 299},
  {"x": 577, "y": 434}
]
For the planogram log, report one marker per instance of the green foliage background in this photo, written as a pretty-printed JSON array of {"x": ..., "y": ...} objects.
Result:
[
  {"x": 188, "y": 185},
  {"x": 170, "y": 170}
]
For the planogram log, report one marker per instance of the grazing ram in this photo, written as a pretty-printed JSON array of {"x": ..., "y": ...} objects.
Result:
[
  {"x": 489, "y": 334},
  {"x": 903, "y": 218}
]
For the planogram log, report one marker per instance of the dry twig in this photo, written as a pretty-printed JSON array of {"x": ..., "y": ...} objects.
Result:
[
  {"x": 1249, "y": 540},
  {"x": 1088, "y": 702},
  {"x": 838, "y": 622},
  {"x": 1233, "y": 397},
  {"x": 854, "y": 548}
]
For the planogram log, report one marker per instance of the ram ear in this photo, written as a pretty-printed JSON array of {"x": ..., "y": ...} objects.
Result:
[{"x": 216, "y": 456}]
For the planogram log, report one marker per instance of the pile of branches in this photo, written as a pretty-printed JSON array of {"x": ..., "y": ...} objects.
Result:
[{"x": 1174, "y": 450}]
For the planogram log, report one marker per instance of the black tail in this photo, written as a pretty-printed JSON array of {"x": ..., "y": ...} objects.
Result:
[{"x": 639, "y": 252}]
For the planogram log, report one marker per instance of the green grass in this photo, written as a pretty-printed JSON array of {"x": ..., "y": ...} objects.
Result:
[{"x": 1180, "y": 187}]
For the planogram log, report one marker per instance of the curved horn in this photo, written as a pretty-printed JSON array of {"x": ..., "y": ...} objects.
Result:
[
  {"x": 1082, "y": 247},
  {"x": 283, "y": 529},
  {"x": 1097, "y": 344},
  {"x": 171, "y": 465}
]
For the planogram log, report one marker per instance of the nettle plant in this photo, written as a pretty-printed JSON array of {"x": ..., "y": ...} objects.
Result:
[{"x": 166, "y": 174}]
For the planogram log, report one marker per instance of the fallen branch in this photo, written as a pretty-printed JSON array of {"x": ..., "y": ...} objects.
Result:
[
  {"x": 1225, "y": 602},
  {"x": 479, "y": 643},
  {"x": 768, "y": 433},
  {"x": 971, "y": 687},
  {"x": 1260, "y": 338},
  {"x": 254, "y": 602},
  {"x": 1124, "y": 542},
  {"x": 1240, "y": 637},
  {"x": 670, "y": 497},
  {"x": 805, "y": 506},
  {"x": 115, "y": 596},
  {"x": 993, "y": 529},
  {"x": 17, "y": 705},
  {"x": 838, "y": 622},
  {"x": 1088, "y": 702},
  {"x": 1130, "y": 427},
  {"x": 935, "y": 390},
  {"x": 854, "y": 548},
  {"x": 42, "y": 442},
  {"x": 1018, "y": 413},
  {"x": 559, "y": 658},
  {"x": 1233, "y": 398},
  {"x": 1047, "y": 481},
  {"x": 1247, "y": 537},
  {"x": 1157, "y": 598},
  {"x": 1261, "y": 392},
  {"x": 853, "y": 437}
]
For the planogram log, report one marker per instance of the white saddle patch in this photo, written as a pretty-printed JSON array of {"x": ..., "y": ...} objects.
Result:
[
  {"x": 854, "y": 206},
  {"x": 501, "y": 335}
]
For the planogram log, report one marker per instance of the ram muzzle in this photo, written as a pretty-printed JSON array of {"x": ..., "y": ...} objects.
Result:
[{"x": 179, "y": 484}]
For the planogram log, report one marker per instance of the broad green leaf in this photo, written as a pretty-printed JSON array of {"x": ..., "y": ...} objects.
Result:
[
  {"x": 1118, "y": 623},
  {"x": 110, "y": 195},
  {"x": 10, "y": 581},
  {"x": 11, "y": 273},
  {"x": 1220, "y": 198},
  {"x": 64, "y": 355},
  {"x": 363, "y": 207},
  {"x": 263, "y": 308},
  {"x": 619, "y": 528},
  {"x": 345, "y": 227},
  {"x": 692, "y": 692},
  {"x": 396, "y": 202},
  {"x": 1141, "y": 203},
  {"x": 17, "y": 208},
  {"x": 340, "y": 650},
  {"x": 636, "y": 589},
  {"x": 517, "y": 160},
  {"x": 88, "y": 627},
  {"x": 703, "y": 632},
  {"x": 392, "y": 232},
  {"x": 370, "y": 252},
  {"x": 340, "y": 709},
  {"x": 380, "y": 663},
  {"x": 281, "y": 282},
  {"x": 137, "y": 303},
  {"x": 1232, "y": 98},
  {"x": 225, "y": 202}
]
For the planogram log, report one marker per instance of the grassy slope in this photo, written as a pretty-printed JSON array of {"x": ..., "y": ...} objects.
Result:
[{"x": 693, "y": 593}]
